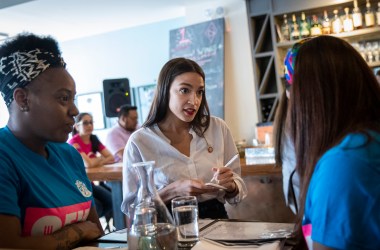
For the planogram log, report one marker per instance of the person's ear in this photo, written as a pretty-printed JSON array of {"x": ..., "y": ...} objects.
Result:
[
  {"x": 76, "y": 126},
  {"x": 124, "y": 118},
  {"x": 20, "y": 96}
]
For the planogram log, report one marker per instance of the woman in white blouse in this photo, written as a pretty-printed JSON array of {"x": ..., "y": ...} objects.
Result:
[{"x": 188, "y": 145}]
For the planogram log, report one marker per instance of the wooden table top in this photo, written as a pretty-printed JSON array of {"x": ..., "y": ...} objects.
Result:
[
  {"x": 109, "y": 172},
  {"x": 114, "y": 172}
]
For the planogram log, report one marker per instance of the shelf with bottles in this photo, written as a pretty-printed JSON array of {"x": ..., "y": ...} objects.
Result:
[
  {"x": 365, "y": 41},
  {"x": 270, "y": 44},
  {"x": 370, "y": 51},
  {"x": 355, "y": 35},
  {"x": 350, "y": 20}
]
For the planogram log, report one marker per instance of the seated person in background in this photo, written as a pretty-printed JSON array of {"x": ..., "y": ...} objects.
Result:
[
  {"x": 334, "y": 124},
  {"x": 88, "y": 145},
  {"x": 46, "y": 199},
  {"x": 188, "y": 146},
  {"x": 119, "y": 134}
]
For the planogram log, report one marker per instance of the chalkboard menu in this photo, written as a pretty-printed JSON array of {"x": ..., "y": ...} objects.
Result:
[{"x": 204, "y": 43}]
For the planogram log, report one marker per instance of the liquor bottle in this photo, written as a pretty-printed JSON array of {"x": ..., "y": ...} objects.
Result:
[
  {"x": 316, "y": 27},
  {"x": 295, "y": 35},
  {"x": 369, "y": 16},
  {"x": 369, "y": 49},
  {"x": 285, "y": 29},
  {"x": 348, "y": 24},
  {"x": 337, "y": 25},
  {"x": 326, "y": 24},
  {"x": 357, "y": 16},
  {"x": 378, "y": 14},
  {"x": 304, "y": 27}
]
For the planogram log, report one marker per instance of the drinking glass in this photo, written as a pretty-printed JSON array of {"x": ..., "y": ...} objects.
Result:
[{"x": 185, "y": 213}]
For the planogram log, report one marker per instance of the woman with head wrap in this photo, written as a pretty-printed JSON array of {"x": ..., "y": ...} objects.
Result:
[
  {"x": 46, "y": 197},
  {"x": 284, "y": 148},
  {"x": 334, "y": 125}
]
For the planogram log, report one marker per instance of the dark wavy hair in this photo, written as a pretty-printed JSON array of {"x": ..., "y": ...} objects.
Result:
[
  {"x": 160, "y": 105},
  {"x": 334, "y": 93},
  {"x": 28, "y": 41},
  {"x": 95, "y": 142}
]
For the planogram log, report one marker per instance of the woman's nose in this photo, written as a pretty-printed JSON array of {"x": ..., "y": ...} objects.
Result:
[
  {"x": 74, "y": 110},
  {"x": 195, "y": 100}
]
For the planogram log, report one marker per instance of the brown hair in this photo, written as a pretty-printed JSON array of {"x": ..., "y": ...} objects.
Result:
[
  {"x": 334, "y": 93},
  {"x": 160, "y": 105},
  {"x": 279, "y": 128}
]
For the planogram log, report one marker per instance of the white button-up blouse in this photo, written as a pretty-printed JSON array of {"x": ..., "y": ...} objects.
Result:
[{"x": 150, "y": 144}]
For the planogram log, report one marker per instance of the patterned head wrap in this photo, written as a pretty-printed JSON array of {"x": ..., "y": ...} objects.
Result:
[
  {"x": 19, "y": 68},
  {"x": 290, "y": 60}
]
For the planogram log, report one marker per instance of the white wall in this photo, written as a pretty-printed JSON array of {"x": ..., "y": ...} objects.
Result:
[{"x": 139, "y": 53}]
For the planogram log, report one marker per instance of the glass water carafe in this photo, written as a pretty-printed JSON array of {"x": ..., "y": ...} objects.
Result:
[{"x": 151, "y": 225}]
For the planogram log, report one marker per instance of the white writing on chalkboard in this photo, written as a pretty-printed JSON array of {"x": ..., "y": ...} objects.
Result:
[{"x": 204, "y": 43}]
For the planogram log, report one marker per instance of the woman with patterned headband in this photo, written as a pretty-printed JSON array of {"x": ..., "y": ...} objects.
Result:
[
  {"x": 46, "y": 197},
  {"x": 334, "y": 123},
  {"x": 284, "y": 148}
]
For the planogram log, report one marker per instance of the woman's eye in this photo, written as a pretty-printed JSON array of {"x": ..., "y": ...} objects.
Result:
[
  {"x": 66, "y": 98},
  {"x": 184, "y": 90},
  {"x": 200, "y": 92}
]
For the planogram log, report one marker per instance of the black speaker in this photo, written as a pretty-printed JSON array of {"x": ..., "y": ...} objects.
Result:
[{"x": 116, "y": 93}]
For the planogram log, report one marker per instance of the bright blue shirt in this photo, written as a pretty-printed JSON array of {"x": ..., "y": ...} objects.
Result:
[
  {"x": 342, "y": 208},
  {"x": 44, "y": 193}
]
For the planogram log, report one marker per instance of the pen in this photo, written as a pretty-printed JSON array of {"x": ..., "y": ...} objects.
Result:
[
  {"x": 227, "y": 164},
  {"x": 232, "y": 160}
]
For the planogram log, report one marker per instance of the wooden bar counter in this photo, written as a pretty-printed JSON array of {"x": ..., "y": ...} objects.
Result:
[
  {"x": 114, "y": 172},
  {"x": 258, "y": 169}
]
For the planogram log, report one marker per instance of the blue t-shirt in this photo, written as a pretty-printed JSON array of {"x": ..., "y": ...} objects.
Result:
[
  {"x": 342, "y": 208},
  {"x": 44, "y": 193}
]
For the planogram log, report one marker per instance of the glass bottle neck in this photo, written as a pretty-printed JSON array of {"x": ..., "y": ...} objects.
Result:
[{"x": 147, "y": 190}]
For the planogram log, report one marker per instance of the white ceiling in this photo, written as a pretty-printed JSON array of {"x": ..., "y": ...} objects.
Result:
[{"x": 72, "y": 19}]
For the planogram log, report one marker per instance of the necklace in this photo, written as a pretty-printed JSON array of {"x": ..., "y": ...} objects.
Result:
[{"x": 210, "y": 149}]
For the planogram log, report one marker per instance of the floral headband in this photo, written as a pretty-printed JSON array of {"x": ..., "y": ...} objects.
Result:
[
  {"x": 290, "y": 60},
  {"x": 19, "y": 68}
]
